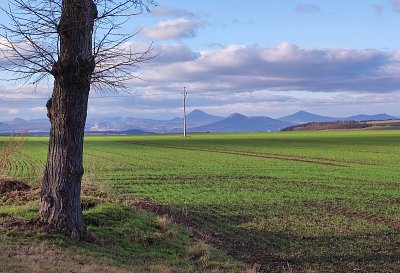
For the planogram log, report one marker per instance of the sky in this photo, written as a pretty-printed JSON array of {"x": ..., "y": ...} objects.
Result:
[{"x": 258, "y": 57}]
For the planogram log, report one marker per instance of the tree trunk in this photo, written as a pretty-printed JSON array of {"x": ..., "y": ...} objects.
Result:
[{"x": 60, "y": 205}]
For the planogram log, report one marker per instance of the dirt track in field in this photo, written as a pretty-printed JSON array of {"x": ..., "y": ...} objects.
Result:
[{"x": 322, "y": 161}]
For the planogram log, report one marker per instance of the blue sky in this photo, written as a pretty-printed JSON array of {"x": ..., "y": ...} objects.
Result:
[
  {"x": 269, "y": 57},
  {"x": 345, "y": 24}
]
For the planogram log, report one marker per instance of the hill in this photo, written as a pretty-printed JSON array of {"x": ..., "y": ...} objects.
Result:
[
  {"x": 305, "y": 117},
  {"x": 198, "y": 116},
  {"x": 363, "y": 117},
  {"x": 20, "y": 125},
  {"x": 4, "y": 127},
  {"x": 240, "y": 123}
]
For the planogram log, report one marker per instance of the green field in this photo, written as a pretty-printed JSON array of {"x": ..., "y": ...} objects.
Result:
[{"x": 317, "y": 201}]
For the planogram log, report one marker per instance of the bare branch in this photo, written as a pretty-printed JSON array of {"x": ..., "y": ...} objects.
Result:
[{"x": 30, "y": 43}]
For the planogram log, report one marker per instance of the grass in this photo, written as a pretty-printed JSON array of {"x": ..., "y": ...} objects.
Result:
[
  {"x": 9, "y": 147},
  {"x": 121, "y": 239},
  {"x": 293, "y": 201}
]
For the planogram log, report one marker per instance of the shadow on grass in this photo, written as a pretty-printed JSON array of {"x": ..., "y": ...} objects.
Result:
[{"x": 273, "y": 249}]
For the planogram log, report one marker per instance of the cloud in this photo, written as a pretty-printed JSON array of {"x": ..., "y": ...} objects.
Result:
[
  {"x": 13, "y": 111},
  {"x": 284, "y": 67},
  {"x": 257, "y": 80},
  {"x": 25, "y": 91},
  {"x": 39, "y": 109},
  {"x": 172, "y": 29},
  {"x": 306, "y": 8},
  {"x": 378, "y": 9},
  {"x": 174, "y": 53},
  {"x": 168, "y": 11},
  {"x": 396, "y": 5},
  {"x": 237, "y": 21}
]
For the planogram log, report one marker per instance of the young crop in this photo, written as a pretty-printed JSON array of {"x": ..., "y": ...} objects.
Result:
[
  {"x": 10, "y": 150},
  {"x": 317, "y": 201}
]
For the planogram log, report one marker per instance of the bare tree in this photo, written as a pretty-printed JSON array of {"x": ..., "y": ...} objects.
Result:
[{"x": 80, "y": 44}]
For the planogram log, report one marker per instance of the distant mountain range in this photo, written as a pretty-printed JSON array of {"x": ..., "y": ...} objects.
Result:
[
  {"x": 240, "y": 123},
  {"x": 305, "y": 117},
  {"x": 4, "y": 127},
  {"x": 195, "y": 118},
  {"x": 197, "y": 121}
]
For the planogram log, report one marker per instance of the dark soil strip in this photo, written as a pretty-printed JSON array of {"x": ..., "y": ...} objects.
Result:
[
  {"x": 352, "y": 214},
  {"x": 11, "y": 185},
  {"x": 322, "y": 161},
  {"x": 189, "y": 179},
  {"x": 241, "y": 252}
]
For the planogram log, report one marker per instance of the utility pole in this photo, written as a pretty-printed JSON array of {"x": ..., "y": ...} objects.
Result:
[{"x": 184, "y": 111}]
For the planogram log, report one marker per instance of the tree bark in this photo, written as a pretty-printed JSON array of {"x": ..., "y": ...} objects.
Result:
[{"x": 60, "y": 205}]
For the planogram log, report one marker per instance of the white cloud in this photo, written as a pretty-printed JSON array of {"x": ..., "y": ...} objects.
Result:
[
  {"x": 13, "y": 111},
  {"x": 281, "y": 68},
  {"x": 172, "y": 29},
  {"x": 306, "y": 8},
  {"x": 25, "y": 91},
  {"x": 39, "y": 109}
]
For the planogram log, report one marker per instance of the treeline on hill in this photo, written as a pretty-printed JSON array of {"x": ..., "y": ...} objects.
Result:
[{"x": 336, "y": 125}]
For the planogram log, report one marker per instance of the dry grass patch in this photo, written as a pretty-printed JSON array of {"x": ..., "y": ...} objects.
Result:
[{"x": 43, "y": 258}]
